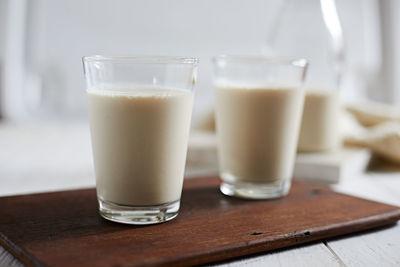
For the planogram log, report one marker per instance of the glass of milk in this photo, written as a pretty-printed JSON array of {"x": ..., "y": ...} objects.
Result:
[
  {"x": 259, "y": 104},
  {"x": 319, "y": 131},
  {"x": 139, "y": 112}
]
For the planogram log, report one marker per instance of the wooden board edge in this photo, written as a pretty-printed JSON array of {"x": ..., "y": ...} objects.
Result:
[
  {"x": 50, "y": 192},
  {"x": 301, "y": 237},
  {"x": 19, "y": 253},
  {"x": 361, "y": 198}
]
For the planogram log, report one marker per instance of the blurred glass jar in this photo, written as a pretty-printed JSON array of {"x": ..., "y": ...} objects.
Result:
[{"x": 311, "y": 29}]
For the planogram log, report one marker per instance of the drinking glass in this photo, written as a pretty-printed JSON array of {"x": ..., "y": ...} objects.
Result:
[
  {"x": 259, "y": 104},
  {"x": 139, "y": 114}
]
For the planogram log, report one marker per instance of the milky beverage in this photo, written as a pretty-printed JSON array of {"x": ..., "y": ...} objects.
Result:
[
  {"x": 258, "y": 131},
  {"x": 320, "y": 123},
  {"x": 139, "y": 139}
]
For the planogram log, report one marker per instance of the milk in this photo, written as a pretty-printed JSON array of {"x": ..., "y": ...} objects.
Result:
[
  {"x": 139, "y": 139},
  {"x": 257, "y": 130},
  {"x": 320, "y": 123}
]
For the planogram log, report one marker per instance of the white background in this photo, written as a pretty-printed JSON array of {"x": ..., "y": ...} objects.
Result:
[{"x": 42, "y": 42}]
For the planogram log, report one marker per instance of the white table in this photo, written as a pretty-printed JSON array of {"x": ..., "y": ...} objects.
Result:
[{"x": 37, "y": 158}]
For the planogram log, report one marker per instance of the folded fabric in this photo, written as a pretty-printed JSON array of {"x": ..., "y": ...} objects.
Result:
[
  {"x": 375, "y": 126},
  {"x": 369, "y": 113}
]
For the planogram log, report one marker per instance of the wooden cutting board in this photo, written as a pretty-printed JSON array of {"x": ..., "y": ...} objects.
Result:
[{"x": 64, "y": 228}]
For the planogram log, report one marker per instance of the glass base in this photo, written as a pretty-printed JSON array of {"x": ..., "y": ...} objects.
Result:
[
  {"x": 138, "y": 215},
  {"x": 232, "y": 186}
]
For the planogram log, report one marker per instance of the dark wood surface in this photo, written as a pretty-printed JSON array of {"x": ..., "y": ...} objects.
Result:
[{"x": 64, "y": 228}]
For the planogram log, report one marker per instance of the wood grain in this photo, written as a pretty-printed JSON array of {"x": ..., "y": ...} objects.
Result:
[
  {"x": 372, "y": 248},
  {"x": 64, "y": 228},
  {"x": 300, "y": 256},
  {"x": 375, "y": 248}
]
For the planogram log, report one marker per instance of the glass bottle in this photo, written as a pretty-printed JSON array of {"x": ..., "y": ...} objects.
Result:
[{"x": 311, "y": 29}]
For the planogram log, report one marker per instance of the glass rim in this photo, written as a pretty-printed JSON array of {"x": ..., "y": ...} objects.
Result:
[
  {"x": 143, "y": 59},
  {"x": 297, "y": 62}
]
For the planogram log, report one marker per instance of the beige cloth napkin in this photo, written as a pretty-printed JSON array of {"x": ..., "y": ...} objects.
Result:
[{"x": 375, "y": 126}]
